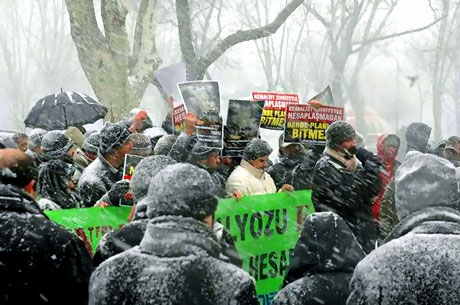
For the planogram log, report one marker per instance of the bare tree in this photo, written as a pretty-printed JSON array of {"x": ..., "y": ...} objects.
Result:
[
  {"x": 119, "y": 76},
  {"x": 37, "y": 53},
  {"x": 196, "y": 64},
  {"x": 353, "y": 27}
]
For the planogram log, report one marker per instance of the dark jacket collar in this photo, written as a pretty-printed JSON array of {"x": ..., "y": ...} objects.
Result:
[
  {"x": 13, "y": 199},
  {"x": 175, "y": 236},
  {"x": 437, "y": 220}
]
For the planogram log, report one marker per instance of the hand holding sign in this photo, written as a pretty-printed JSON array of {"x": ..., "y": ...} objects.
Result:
[{"x": 190, "y": 123}]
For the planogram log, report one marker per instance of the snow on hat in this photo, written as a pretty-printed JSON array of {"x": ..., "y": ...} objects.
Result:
[
  {"x": 164, "y": 145},
  {"x": 141, "y": 145},
  {"x": 417, "y": 136},
  {"x": 91, "y": 143},
  {"x": 35, "y": 138},
  {"x": 282, "y": 144},
  {"x": 145, "y": 171},
  {"x": 55, "y": 144},
  {"x": 256, "y": 148},
  {"x": 113, "y": 136},
  {"x": 201, "y": 152},
  {"x": 423, "y": 181},
  {"x": 338, "y": 132},
  {"x": 182, "y": 190}
]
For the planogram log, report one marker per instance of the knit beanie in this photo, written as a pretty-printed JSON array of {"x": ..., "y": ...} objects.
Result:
[
  {"x": 338, "y": 132},
  {"x": 256, "y": 148},
  {"x": 141, "y": 145},
  {"x": 55, "y": 144},
  {"x": 164, "y": 145},
  {"x": 113, "y": 137},
  {"x": 182, "y": 190},
  {"x": 35, "y": 138},
  {"x": 91, "y": 143},
  {"x": 201, "y": 152}
]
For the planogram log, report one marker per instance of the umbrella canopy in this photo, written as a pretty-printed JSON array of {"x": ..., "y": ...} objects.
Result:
[{"x": 61, "y": 110}]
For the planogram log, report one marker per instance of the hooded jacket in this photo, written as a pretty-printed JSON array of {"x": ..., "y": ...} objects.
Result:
[
  {"x": 250, "y": 181},
  {"x": 323, "y": 263},
  {"x": 389, "y": 167},
  {"x": 40, "y": 262},
  {"x": 347, "y": 193},
  {"x": 177, "y": 262},
  {"x": 96, "y": 180},
  {"x": 419, "y": 263}
]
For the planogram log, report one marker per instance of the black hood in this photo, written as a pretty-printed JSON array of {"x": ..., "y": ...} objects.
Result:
[
  {"x": 13, "y": 199},
  {"x": 417, "y": 136},
  {"x": 326, "y": 244}
]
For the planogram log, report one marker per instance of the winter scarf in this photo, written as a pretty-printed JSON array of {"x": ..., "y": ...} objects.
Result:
[{"x": 53, "y": 179}]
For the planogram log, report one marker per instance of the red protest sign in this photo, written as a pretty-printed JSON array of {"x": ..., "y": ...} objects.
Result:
[{"x": 308, "y": 124}]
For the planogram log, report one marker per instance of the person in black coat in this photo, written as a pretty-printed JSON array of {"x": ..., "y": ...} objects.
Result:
[
  {"x": 323, "y": 263},
  {"x": 179, "y": 259},
  {"x": 303, "y": 172},
  {"x": 40, "y": 262},
  {"x": 345, "y": 180},
  {"x": 290, "y": 155},
  {"x": 131, "y": 233}
]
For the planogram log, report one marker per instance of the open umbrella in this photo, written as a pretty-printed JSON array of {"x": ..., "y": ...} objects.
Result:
[{"x": 61, "y": 110}]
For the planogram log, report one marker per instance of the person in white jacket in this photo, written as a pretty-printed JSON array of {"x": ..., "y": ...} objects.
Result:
[{"x": 250, "y": 178}]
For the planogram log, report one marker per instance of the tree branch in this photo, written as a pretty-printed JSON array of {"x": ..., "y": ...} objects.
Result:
[
  {"x": 114, "y": 17},
  {"x": 386, "y": 37},
  {"x": 89, "y": 40},
  {"x": 147, "y": 59},
  {"x": 185, "y": 34},
  {"x": 247, "y": 35}
]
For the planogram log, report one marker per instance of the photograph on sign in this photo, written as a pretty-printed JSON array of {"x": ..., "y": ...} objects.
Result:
[{"x": 243, "y": 120}]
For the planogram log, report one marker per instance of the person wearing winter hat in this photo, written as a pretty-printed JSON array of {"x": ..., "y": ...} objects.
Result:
[
  {"x": 387, "y": 150},
  {"x": 345, "y": 180},
  {"x": 55, "y": 145},
  {"x": 131, "y": 234},
  {"x": 21, "y": 141},
  {"x": 34, "y": 144},
  {"x": 85, "y": 155},
  {"x": 141, "y": 145},
  {"x": 452, "y": 150},
  {"x": 164, "y": 145},
  {"x": 100, "y": 176},
  {"x": 419, "y": 261},
  {"x": 179, "y": 257},
  {"x": 250, "y": 177},
  {"x": 290, "y": 155},
  {"x": 209, "y": 160}
]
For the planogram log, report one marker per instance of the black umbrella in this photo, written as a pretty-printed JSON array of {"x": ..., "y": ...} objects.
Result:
[{"x": 61, "y": 110}]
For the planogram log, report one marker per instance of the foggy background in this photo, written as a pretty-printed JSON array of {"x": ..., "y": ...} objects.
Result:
[{"x": 398, "y": 82}]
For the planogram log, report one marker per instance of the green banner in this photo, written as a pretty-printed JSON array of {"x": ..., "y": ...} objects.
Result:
[
  {"x": 266, "y": 229},
  {"x": 90, "y": 224}
]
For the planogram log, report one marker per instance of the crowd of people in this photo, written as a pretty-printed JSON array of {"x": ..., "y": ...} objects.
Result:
[{"x": 384, "y": 231}]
